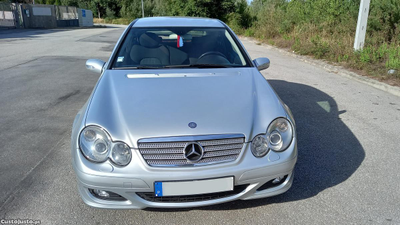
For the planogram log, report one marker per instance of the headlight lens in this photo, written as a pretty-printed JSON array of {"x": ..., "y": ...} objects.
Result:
[
  {"x": 121, "y": 154},
  {"x": 280, "y": 134},
  {"x": 96, "y": 145},
  {"x": 259, "y": 146},
  {"x": 278, "y": 138}
]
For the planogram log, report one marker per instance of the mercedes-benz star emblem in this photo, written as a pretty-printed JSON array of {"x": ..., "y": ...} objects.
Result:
[
  {"x": 193, "y": 152},
  {"x": 192, "y": 125}
]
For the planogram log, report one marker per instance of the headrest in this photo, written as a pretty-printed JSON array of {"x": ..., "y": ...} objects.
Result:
[{"x": 149, "y": 40}]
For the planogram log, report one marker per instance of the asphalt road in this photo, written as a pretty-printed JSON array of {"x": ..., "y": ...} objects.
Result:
[{"x": 348, "y": 140}]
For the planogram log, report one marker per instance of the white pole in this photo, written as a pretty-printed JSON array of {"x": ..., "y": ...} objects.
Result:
[
  {"x": 142, "y": 9},
  {"x": 361, "y": 25}
]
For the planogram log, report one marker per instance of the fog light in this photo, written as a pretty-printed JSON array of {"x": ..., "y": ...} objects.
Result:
[
  {"x": 273, "y": 183},
  {"x": 277, "y": 180},
  {"x": 101, "y": 193},
  {"x": 106, "y": 195}
]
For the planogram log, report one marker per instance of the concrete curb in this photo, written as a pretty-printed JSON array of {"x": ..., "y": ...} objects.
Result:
[
  {"x": 334, "y": 69},
  {"x": 109, "y": 25}
]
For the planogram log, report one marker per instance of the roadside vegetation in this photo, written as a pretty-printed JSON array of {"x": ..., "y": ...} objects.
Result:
[{"x": 324, "y": 29}]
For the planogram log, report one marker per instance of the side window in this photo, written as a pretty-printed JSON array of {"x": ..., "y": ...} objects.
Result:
[
  {"x": 239, "y": 57},
  {"x": 123, "y": 58}
]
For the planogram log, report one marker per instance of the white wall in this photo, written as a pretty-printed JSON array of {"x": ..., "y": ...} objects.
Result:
[
  {"x": 85, "y": 18},
  {"x": 7, "y": 19}
]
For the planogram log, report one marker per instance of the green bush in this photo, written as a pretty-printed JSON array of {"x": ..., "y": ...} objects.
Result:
[
  {"x": 365, "y": 55},
  {"x": 320, "y": 47},
  {"x": 249, "y": 32},
  {"x": 393, "y": 61}
]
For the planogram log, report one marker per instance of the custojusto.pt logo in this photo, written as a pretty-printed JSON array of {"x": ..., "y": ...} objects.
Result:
[{"x": 19, "y": 221}]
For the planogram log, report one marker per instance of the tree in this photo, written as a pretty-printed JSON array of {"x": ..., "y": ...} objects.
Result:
[{"x": 201, "y": 8}]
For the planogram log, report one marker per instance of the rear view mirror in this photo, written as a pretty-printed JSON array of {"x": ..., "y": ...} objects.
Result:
[
  {"x": 95, "y": 65},
  {"x": 261, "y": 63}
]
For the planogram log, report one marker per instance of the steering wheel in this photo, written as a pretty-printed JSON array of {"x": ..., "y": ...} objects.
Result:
[{"x": 211, "y": 53}]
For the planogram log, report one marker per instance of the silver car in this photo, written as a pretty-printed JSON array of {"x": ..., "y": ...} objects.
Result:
[{"x": 181, "y": 117}]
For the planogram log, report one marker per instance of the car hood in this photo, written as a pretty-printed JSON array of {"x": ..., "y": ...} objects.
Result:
[{"x": 132, "y": 106}]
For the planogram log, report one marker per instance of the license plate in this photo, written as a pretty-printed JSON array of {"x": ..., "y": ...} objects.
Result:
[{"x": 193, "y": 187}]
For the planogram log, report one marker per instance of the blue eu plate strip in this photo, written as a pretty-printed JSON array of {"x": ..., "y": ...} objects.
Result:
[{"x": 158, "y": 189}]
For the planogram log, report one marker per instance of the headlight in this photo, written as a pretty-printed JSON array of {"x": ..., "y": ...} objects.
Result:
[
  {"x": 121, "y": 154},
  {"x": 280, "y": 134},
  {"x": 96, "y": 145},
  {"x": 278, "y": 138},
  {"x": 259, "y": 146}
]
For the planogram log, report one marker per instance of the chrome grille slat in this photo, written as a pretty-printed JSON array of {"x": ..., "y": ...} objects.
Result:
[
  {"x": 165, "y": 156},
  {"x": 222, "y": 147},
  {"x": 221, "y": 153},
  {"x": 222, "y": 142},
  {"x": 185, "y": 162},
  {"x": 149, "y": 151},
  {"x": 163, "y": 145},
  {"x": 171, "y": 152}
]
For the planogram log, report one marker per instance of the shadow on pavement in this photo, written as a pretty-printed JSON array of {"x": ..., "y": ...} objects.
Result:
[{"x": 329, "y": 153}]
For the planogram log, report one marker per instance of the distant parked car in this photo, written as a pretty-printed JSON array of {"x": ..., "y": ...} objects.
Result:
[{"x": 181, "y": 117}]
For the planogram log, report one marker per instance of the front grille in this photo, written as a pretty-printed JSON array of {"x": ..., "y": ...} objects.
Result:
[
  {"x": 149, "y": 196},
  {"x": 170, "y": 152}
]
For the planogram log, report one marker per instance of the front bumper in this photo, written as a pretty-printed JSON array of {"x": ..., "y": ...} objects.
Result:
[{"x": 138, "y": 177}]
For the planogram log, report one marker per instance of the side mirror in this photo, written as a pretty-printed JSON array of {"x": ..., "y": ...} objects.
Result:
[
  {"x": 261, "y": 63},
  {"x": 95, "y": 65}
]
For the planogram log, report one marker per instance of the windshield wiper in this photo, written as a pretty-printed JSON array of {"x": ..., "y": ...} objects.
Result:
[
  {"x": 198, "y": 66},
  {"x": 137, "y": 67},
  {"x": 174, "y": 66}
]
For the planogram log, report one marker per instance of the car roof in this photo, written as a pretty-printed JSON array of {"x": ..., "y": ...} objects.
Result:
[{"x": 177, "y": 22}]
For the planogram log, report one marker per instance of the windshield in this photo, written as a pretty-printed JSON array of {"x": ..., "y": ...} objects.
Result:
[{"x": 174, "y": 47}]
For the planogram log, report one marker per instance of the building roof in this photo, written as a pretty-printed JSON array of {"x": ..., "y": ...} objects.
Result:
[{"x": 177, "y": 22}]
